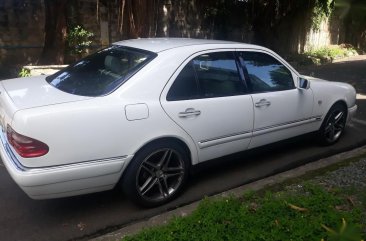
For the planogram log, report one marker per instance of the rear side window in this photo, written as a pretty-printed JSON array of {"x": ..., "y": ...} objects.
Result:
[
  {"x": 102, "y": 72},
  {"x": 207, "y": 76},
  {"x": 185, "y": 85},
  {"x": 266, "y": 73}
]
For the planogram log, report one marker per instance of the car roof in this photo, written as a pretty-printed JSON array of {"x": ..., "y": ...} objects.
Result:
[{"x": 161, "y": 44}]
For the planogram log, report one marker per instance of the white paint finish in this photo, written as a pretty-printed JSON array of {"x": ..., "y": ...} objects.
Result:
[
  {"x": 40, "y": 183},
  {"x": 330, "y": 92},
  {"x": 89, "y": 130},
  {"x": 283, "y": 134},
  {"x": 137, "y": 112},
  {"x": 162, "y": 44},
  {"x": 223, "y": 149},
  {"x": 351, "y": 113},
  {"x": 223, "y": 140},
  {"x": 219, "y": 118},
  {"x": 82, "y": 129},
  {"x": 7, "y": 107},
  {"x": 283, "y": 107},
  {"x": 286, "y": 116},
  {"x": 50, "y": 194},
  {"x": 43, "y": 192},
  {"x": 34, "y": 91}
]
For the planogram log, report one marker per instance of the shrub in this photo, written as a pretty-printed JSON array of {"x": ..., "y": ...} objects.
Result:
[
  {"x": 24, "y": 73},
  {"x": 330, "y": 53},
  {"x": 78, "y": 40}
]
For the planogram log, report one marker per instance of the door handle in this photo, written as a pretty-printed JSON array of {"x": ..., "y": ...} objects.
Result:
[
  {"x": 262, "y": 102},
  {"x": 189, "y": 112}
]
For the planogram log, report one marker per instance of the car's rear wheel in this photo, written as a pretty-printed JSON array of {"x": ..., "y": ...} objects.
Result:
[
  {"x": 333, "y": 125},
  {"x": 157, "y": 174}
]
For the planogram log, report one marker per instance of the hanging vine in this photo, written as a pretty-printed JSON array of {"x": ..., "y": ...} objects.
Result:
[{"x": 322, "y": 10}]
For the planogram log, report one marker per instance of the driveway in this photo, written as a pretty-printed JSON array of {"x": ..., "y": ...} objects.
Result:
[{"x": 81, "y": 217}]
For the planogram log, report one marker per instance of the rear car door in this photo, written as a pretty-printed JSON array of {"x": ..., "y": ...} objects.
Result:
[
  {"x": 280, "y": 109},
  {"x": 208, "y": 99}
]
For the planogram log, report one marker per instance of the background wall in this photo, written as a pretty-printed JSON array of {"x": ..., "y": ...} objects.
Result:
[{"x": 285, "y": 26}]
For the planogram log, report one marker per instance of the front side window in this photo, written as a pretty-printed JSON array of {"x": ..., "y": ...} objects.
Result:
[
  {"x": 266, "y": 73},
  {"x": 206, "y": 76},
  {"x": 102, "y": 72}
]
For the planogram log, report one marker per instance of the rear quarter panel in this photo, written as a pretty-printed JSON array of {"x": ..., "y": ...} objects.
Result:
[{"x": 89, "y": 130}]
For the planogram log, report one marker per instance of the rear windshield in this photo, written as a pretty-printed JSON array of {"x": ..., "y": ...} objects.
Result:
[{"x": 102, "y": 72}]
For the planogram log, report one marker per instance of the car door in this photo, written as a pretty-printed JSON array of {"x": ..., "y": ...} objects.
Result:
[
  {"x": 280, "y": 109},
  {"x": 207, "y": 98}
]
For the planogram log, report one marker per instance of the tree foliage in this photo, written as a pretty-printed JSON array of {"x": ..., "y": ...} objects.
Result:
[
  {"x": 322, "y": 10},
  {"x": 78, "y": 39},
  {"x": 282, "y": 25}
]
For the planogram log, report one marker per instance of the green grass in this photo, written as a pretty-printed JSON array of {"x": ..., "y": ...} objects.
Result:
[{"x": 302, "y": 212}]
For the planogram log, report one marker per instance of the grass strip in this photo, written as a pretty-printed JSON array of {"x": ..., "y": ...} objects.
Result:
[{"x": 306, "y": 212}]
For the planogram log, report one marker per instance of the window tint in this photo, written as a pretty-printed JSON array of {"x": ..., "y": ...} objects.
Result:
[
  {"x": 208, "y": 75},
  {"x": 218, "y": 75},
  {"x": 185, "y": 85},
  {"x": 102, "y": 72},
  {"x": 266, "y": 73}
]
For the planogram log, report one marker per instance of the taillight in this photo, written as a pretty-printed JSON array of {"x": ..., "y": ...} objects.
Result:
[{"x": 25, "y": 146}]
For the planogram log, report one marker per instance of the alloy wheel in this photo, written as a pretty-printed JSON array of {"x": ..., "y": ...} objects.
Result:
[
  {"x": 335, "y": 125},
  {"x": 160, "y": 175}
]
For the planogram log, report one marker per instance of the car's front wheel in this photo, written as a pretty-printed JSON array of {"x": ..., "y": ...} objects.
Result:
[
  {"x": 333, "y": 125},
  {"x": 157, "y": 174}
]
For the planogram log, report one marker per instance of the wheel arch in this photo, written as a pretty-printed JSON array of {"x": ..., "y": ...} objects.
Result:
[
  {"x": 193, "y": 157},
  {"x": 341, "y": 102}
]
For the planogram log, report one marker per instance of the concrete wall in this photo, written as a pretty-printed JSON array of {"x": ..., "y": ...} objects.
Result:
[
  {"x": 319, "y": 38},
  {"x": 21, "y": 31}
]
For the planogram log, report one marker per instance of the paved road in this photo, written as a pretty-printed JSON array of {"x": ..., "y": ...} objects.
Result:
[{"x": 79, "y": 217}]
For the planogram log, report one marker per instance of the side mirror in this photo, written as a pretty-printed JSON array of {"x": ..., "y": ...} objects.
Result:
[{"x": 303, "y": 83}]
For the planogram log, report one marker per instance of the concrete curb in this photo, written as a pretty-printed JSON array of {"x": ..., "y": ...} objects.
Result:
[{"x": 163, "y": 218}]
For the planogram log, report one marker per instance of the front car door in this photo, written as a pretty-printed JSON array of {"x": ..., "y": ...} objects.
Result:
[
  {"x": 208, "y": 99},
  {"x": 281, "y": 110}
]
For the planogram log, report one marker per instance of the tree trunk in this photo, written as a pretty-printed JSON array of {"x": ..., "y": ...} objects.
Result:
[{"x": 55, "y": 32}]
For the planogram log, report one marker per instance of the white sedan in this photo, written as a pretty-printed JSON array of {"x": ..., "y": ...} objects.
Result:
[{"x": 140, "y": 113}]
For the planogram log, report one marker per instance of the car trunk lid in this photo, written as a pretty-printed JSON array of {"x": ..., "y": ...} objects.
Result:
[{"x": 35, "y": 91}]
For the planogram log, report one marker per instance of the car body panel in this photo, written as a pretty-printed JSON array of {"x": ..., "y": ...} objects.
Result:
[
  {"x": 157, "y": 45},
  {"x": 64, "y": 180},
  {"x": 215, "y": 125},
  {"x": 288, "y": 111},
  {"x": 35, "y": 91},
  {"x": 92, "y": 140}
]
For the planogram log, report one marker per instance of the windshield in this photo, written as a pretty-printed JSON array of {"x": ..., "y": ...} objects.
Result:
[{"x": 101, "y": 72}]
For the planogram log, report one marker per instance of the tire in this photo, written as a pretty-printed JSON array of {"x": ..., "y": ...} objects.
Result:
[
  {"x": 157, "y": 174},
  {"x": 333, "y": 126}
]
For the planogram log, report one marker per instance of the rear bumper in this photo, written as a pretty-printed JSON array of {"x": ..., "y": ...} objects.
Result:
[
  {"x": 351, "y": 113},
  {"x": 64, "y": 180}
]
